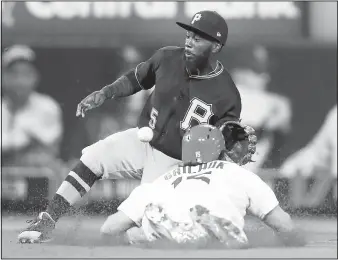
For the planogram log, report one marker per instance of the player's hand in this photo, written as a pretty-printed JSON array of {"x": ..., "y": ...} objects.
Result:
[{"x": 93, "y": 100}]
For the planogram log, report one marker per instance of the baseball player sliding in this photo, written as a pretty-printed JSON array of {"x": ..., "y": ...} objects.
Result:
[
  {"x": 204, "y": 200},
  {"x": 191, "y": 87}
]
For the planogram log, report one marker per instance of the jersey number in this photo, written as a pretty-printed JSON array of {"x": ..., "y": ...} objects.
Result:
[
  {"x": 198, "y": 110},
  {"x": 201, "y": 177},
  {"x": 153, "y": 118}
]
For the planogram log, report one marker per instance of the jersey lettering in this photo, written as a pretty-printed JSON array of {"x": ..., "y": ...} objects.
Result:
[
  {"x": 176, "y": 182},
  {"x": 187, "y": 170},
  {"x": 201, "y": 177},
  {"x": 195, "y": 105}
]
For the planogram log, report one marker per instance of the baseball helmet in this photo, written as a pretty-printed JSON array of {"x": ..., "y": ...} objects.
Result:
[
  {"x": 201, "y": 144},
  {"x": 209, "y": 24}
]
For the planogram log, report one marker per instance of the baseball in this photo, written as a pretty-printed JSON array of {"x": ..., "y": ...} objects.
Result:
[{"x": 145, "y": 134}]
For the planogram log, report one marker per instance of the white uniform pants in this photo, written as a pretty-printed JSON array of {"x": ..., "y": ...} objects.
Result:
[{"x": 123, "y": 156}]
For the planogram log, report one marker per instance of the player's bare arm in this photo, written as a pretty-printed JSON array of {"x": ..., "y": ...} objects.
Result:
[
  {"x": 129, "y": 214},
  {"x": 265, "y": 206},
  {"x": 121, "y": 224},
  {"x": 285, "y": 228}
]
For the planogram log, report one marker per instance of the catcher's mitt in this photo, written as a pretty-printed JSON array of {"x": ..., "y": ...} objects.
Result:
[{"x": 240, "y": 142}]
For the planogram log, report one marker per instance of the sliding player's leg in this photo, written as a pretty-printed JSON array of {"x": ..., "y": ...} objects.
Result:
[
  {"x": 223, "y": 227},
  {"x": 121, "y": 155},
  {"x": 199, "y": 220},
  {"x": 158, "y": 222}
]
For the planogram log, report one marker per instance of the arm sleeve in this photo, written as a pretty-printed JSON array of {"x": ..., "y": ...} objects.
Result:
[
  {"x": 261, "y": 197},
  {"x": 231, "y": 105},
  {"x": 144, "y": 74},
  {"x": 122, "y": 87}
]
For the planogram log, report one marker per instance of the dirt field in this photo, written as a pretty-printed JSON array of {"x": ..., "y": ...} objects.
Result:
[{"x": 76, "y": 238}]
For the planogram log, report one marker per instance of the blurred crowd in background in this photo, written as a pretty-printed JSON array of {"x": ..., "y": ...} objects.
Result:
[{"x": 287, "y": 84}]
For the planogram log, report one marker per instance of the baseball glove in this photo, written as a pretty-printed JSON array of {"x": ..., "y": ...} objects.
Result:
[{"x": 240, "y": 142}]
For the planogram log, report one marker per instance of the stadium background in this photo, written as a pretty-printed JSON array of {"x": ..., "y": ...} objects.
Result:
[{"x": 82, "y": 46}]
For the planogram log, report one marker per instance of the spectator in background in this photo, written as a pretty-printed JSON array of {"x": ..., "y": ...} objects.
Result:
[
  {"x": 31, "y": 122},
  {"x": 320, "y": 154},
  {"x": 267, "y": 112}
]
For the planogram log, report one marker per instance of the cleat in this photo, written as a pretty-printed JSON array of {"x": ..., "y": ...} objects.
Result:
[{"x": 39, "y": 230}]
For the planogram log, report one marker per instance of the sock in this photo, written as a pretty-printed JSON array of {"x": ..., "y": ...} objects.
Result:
[
  {"x": 78, "y": 182},
  {"x": 58, "y": 207}
]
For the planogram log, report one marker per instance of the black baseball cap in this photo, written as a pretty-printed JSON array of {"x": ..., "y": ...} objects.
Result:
[{"x": 208, "y": 23}]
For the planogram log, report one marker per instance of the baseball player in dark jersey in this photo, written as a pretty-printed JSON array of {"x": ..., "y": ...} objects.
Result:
[{"x": 191, "y": 87}]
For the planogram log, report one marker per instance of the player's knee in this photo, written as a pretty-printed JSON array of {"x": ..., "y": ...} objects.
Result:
[{"x": 91, "y": 157}]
